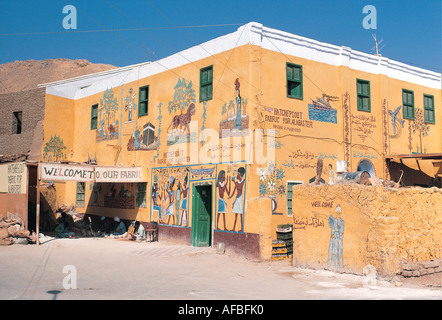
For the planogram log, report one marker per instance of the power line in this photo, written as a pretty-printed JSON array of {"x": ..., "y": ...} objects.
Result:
[
  {"x": 119, "y": 30},
  {"x": 202, "y": 47},
  {"x": 165, "y": 44}
]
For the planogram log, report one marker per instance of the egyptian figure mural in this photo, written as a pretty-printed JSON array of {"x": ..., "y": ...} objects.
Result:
[
  {"x": 336, "y": 224},
  {"x": 170, "y": 193},
  {"x": 234, "y": 118},
  {"x": 230, "y": 186}
]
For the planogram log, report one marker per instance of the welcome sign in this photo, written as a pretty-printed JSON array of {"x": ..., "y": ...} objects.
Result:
[
  {"x": 118, "y": 174},
  {"x": 87, "y": 173},
  {"x": 65, "y": 172}
]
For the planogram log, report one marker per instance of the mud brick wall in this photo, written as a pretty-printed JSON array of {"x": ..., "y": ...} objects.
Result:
[
  {"x": 31, "y": 103},
  {"x": 398, "y": 231},
  {"x": 417, "y": 269}
]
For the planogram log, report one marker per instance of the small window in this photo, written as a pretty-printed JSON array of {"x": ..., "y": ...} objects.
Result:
[
  {"x": 206, "y": 84},
  {"x": 294, "y": 81},
  {"x": 80, "y": 195},
  {"x": 94, "y": 116},
  {"x": 363, "y": 92},
  {"x": 290, "y": 185},
  {"x": 17, "y": 122},
  {"x": 143, "y": 101},
  {"x": 408, "y": 104},
  {"x": 429, "y": 109},
  {"x": 141, "y": 194}
]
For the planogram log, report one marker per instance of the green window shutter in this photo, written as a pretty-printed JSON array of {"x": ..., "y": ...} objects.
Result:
[
  {"x": 294, "y": 81},
  {"x": 408, "y": 104},
  {"x": 289, "y": 199},
  {"x": 94, "y": 116},
  {"x": 363, "y": 95},
  {"x": 206, "y": 83},
  {"x": 429, "y": 109},
  {"x": 80, "y": 194},
  {"x": 143, "y": 101},
  {"x": 141, "y": 195}
]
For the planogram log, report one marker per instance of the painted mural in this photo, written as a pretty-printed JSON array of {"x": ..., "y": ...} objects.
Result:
[
  {"x": 143, "y": 136},
  {"x": 169, "y": 196},
  {"x": 54, "y": 150},
  {"x": 143, "y": 139},
  {"x": 120, "y": 196},
  {"x": 108, "y": 124},
  {"x": 184, "y": 100},
  {"x": 130, "y": 106},
  {"x": 234, "y": 118},
  {"x": 272, "y": 184},
  {"x": 397, "y": 122},
  {"x": 321, "y": 110},
  {"x": 421, "y": 128},
  {"x": 336, "y": 224},
  {"x": 230, "y": 185}
]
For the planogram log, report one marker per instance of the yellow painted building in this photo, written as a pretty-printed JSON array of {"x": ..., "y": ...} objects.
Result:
[{"x": 209, "y": 142}]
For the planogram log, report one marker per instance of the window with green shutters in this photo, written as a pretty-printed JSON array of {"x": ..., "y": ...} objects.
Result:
[
  {"x": 143, "y": 101},
  {"x": 94, "y": 116},
  {"x": 294, "y": 81},
  {"x": 363, "y": 92},
  {"x": 429, "y": 109},
  {"x": 408, "y": 104},
  {"x": 290, "y": 186},
  {"x": 206, "y": 84},
  {"x": 80, "y": 196},
  {"x": 141, "y": 194}
]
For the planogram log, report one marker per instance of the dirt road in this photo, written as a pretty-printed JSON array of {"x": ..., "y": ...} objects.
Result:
[{"x": 95, "y": 269}]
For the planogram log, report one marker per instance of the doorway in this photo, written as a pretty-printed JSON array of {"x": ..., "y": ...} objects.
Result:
[
  {"x": 32, "y": 197},
  {"x": 366, "y": 165},
  {"x": 201, "y": 216}
]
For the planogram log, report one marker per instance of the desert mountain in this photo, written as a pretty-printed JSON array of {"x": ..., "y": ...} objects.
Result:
[{"x": 26, "y": 75}]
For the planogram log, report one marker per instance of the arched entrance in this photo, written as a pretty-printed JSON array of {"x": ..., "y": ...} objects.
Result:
[{"x": 366, "y": 165}]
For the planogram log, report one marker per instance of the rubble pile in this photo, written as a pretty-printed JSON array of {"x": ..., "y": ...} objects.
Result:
[
  {"x": 76, "y": 221},
  {"x": 12, "y": 231}
]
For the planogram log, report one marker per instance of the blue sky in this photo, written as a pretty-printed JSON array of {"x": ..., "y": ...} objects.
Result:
[{"x": 411, "y": 30}]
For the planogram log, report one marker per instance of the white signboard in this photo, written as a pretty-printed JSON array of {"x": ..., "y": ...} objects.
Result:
[
  {"x": 87, "y": 173},
  {"x": 118, "y": 174},
  {"x": 13, "y": 178},
  {"x": 66, "y": 172}
]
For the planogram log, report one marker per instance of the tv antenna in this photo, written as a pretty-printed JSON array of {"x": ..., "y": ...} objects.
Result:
[
  {"x": 377, "y": 46},
  {"x": 150, "y": 53}
]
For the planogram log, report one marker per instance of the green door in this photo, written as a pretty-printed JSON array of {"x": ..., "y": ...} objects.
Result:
[{"x": 201, "y": 215}]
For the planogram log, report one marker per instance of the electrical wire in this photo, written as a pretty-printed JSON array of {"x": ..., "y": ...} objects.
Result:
[
  {"x": 165, "y": 44},
  {"x": 119, "y": 30}
]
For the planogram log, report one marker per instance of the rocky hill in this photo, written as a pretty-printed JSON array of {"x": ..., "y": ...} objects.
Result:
[{"x": 26, "y": 75}]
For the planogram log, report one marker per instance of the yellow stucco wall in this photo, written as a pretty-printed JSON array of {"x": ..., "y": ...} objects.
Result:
[
  {"x": 379, "y": 227},
  {"x": 300, "y": 139}
]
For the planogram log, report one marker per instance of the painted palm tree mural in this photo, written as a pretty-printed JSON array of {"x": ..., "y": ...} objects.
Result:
[
  {"x": 420, "y": 126},
  {"x": 54, "y": 149},
  {"x": 108, "y": 125}
]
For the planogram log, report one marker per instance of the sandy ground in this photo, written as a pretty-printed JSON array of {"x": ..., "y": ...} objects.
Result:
[{"x": 95, "y": 269}]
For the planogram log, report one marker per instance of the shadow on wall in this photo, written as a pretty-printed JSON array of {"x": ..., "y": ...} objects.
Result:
[{"x": 410, "y": 177}]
